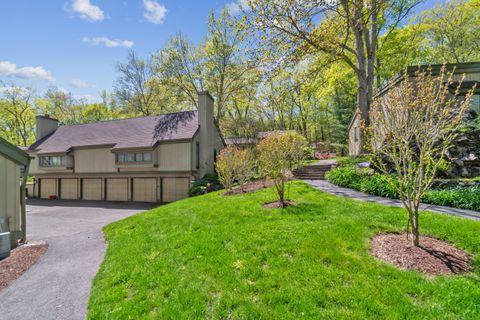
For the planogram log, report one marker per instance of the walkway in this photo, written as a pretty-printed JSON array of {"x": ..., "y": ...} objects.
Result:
[{"x": 328, "y": 187}]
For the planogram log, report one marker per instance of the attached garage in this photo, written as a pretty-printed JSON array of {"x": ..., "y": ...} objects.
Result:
[
  {"x": 69, "y": 189},
  {"x": 48, "y": 187},
  {"x": 174, "y": 189},
  {"x": 92, "y": 189},
  {"x": 145, "y": 189},
  {"x": 117, "y": 189}
]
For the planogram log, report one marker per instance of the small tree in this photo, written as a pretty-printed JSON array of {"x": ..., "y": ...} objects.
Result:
[
  {"x": 244, "y": 165},
  {"x": 413, "y": 126},
  {"x": 279, "y": 153},
  {"x": 226, "y": 165}
]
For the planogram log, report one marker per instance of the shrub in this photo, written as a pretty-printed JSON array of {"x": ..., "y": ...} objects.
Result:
[
  {"x": 279, "y": 153},
  {"x": 225, "y": 166},
  {"x": 350, "y": 161},
  {"x": 465, "y": 198},
  {"x": 243, "y": 165},
  {"x": 208, "y": 183}
]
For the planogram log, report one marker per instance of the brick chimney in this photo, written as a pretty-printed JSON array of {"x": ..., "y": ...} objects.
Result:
[
  {"x": 45, "y": 125},
  {"x": 206, "y": 123}
]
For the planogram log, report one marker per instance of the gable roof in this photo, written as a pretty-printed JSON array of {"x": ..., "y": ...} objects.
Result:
[
  {"x": 13, "y": 153},
  {"x": 143, "y": 132}
]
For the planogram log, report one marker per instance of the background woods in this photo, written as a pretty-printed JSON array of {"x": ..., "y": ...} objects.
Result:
[{"x": 306, "y": 70}]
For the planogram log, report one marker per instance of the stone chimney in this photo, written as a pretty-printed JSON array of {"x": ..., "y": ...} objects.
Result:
[
  {"x": 45, "y": 125},
  {"x": 206, "y": 134}
]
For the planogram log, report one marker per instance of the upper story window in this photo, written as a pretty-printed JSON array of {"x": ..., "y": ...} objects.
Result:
[
  {"x": 126, "y": 157},
  {"x": 52, "y": 161}
]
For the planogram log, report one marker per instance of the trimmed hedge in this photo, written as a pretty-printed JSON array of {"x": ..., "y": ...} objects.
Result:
[{"x": 368, "y": 181}]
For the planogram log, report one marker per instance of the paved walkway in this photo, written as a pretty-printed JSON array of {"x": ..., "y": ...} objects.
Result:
[
  {"x": 58, "y": 285},
  {"x": 349, "y": 193}
]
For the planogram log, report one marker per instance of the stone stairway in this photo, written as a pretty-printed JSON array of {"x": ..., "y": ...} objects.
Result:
[{"x": 313, "y": 172}]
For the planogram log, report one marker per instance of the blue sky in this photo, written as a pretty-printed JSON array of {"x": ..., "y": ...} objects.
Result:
[{"x": 75, "y": 44}]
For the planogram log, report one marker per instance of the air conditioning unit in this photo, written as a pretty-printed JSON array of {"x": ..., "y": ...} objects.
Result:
[{"x": 4, "y": 245}]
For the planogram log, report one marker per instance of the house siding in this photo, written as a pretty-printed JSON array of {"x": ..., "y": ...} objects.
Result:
[
  {"x": 94, "y": 160},
  {"x": 10, "y": 207}
]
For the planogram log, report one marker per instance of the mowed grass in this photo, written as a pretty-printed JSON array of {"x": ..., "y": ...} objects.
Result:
[{"x": 214, "y": 257}]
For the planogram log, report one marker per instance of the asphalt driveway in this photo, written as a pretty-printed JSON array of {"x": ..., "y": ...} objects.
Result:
[{"x": 58, "y": 286}]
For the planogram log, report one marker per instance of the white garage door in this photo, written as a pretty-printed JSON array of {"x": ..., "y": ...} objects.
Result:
[
  {"x": 145, "y": 189},
  {"x": 117, "y": 189},
  {"x": 69, "y": 189},
  {"x": 92, "y": 189},
  {"x": 48, "y": 188},
  {"x": 175, "y": 189}
]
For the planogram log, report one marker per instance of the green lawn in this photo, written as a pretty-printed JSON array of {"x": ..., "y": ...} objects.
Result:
[{"x": 214, "y": 257}]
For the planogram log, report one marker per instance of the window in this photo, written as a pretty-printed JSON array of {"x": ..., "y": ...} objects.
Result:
[
  {"x": 51, "y": 161},
  {"x": 126, "y": 157},
  {"x": 476, "y": 104}
]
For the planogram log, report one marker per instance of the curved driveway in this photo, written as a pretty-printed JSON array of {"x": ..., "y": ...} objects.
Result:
[{"x": 58, "y": 286}]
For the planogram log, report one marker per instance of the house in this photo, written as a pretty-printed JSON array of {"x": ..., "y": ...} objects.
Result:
[
  {"x": 14, "y": 165},
  {"x": 245, "y": 142},
  {"x": 471, "y": 72},
  {"x": 146, "y": 159}
]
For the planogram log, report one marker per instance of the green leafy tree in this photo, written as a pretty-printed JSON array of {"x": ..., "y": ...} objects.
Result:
[{"x": 279, "y": 154}]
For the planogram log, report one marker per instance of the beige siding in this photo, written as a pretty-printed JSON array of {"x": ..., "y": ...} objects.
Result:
[
  {"x": 117, "y": 189},
  {"x": 69, "y": 189},
  {"x": 48, "y": 187},
  {"x": 174, "y": 156},
  {"x": 145, "y": 189},
  {"x": 94, "y": 160},
  {"x": 174, "y": 189},
  {"x": 10, "y": 207},
  {"x": 92, "y": 189}
]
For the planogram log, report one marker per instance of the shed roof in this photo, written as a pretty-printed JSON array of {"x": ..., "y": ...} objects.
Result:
[{"x": 13, "y": 153}]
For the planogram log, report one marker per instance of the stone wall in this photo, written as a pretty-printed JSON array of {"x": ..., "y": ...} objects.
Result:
[{"x": 465, "y": 155}]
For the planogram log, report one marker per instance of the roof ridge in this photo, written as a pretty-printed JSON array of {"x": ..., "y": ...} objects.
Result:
[{"x": 123, "y": 119}]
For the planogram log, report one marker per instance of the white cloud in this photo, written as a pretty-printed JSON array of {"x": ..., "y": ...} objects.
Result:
[
  {"x": 86, "y": 10},
  {"x": 111, "y": 43},
  {"x": 236, "y": 7},
  {"x": 35, "y": 73},
  {"x": 79, "y": 83},
  {"x": 154, "y": 11}
]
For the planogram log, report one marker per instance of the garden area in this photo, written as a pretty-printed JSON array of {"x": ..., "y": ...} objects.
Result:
[{"x": 218, "y": 257}]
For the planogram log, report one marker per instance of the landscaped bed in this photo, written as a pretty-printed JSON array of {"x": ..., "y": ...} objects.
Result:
[{"x": 221, "y": 257}]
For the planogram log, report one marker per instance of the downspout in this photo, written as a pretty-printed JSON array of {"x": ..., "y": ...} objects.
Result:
[{"x": 23, "y": 202}]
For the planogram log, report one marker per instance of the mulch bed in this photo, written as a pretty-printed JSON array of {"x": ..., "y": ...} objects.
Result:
[
  {"x": 249, "y": 187},
  {"x": 19, "y": 261},
  {"x": 278, "y": 204},
  {"x": 433, "y": 257}
]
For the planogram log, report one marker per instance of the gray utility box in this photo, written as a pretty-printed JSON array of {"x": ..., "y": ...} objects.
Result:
[{"x": 4, "y": 245}]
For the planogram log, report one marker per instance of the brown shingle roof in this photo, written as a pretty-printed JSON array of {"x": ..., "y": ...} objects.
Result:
[{"x": 141, "y": 132}]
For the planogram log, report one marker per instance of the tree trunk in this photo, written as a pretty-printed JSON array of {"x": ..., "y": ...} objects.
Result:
[{"x": 415, "y": 229}]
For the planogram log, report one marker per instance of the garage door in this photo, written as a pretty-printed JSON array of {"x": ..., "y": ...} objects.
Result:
[
  {"x": 48, "y": 188},
  {"x": 145, "y": 189},
  {"x": 175, "y": 189},
  {"x": 117, "y": 189},
  {"x": 92, "y": 189},
  {"x": 69, "y": 189}
]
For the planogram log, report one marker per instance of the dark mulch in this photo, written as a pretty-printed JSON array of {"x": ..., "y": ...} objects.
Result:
[
  {"x": 433, "y": 257},
  {"x": 278, "y": 204},
  {"x": 19, "y": 261},
  {"x": 249, "y": 187}
]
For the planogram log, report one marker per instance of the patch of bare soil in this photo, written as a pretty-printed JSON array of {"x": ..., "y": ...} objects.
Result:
[
  {"x": 278, "y": 204},
  {"x": 433, "y": 257},
  {"x": 19, "y": 261},
  {"x": 249, "y": 187}
]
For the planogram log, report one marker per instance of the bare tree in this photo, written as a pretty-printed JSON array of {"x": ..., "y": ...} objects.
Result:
[{"x": 413, "y": 126}]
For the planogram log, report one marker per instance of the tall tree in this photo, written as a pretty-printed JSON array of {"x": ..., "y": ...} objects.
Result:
[
  {"x": 134, "y": 89},
  {"x": 347, "y": 30},
  {"x": 17, "y": 115}
]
